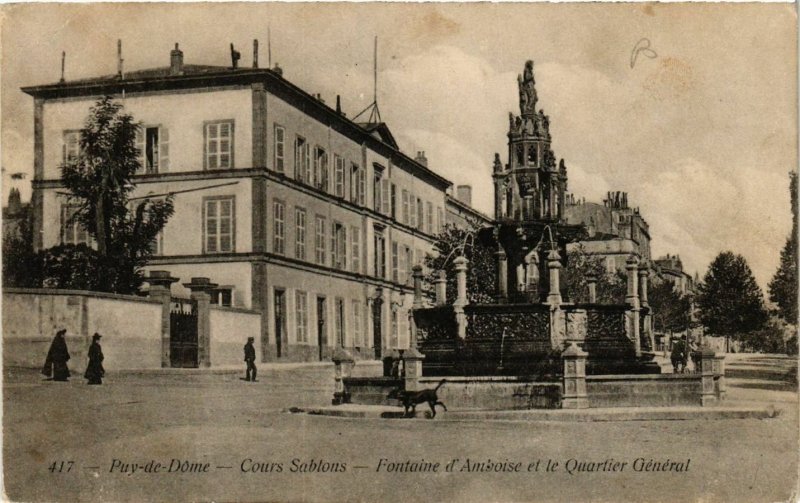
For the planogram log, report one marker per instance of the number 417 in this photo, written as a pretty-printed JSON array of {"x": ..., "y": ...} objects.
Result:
[{"x": 61, "y": 466}]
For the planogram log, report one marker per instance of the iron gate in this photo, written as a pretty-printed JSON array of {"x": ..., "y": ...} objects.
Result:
[{"x": 183, "y": 333}]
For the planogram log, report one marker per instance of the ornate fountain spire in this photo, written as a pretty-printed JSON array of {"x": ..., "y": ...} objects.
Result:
[{"x": 527, "y": 92}]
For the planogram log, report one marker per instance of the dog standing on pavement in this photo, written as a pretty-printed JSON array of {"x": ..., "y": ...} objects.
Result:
[{"x": 410, "y": 399}]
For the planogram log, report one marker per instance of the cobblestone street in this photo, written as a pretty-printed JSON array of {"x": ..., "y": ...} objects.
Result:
[{"x": 248, "y": 449}]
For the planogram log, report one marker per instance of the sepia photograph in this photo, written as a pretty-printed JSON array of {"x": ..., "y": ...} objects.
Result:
[{"x": 393, "y": 252}]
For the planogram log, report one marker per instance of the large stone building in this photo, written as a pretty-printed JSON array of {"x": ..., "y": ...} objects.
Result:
[
  {"x": 291, "y": 208},
  {"x": 615, "y": 230}
]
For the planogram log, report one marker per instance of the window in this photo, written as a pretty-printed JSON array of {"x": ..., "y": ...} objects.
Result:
[
  {"x": 278, "y": 227},
  {"x": 358, "y": 181},
  {"x": 222, "y": 296},
  {"x": 404, "y": 217},
  {"x": 394, "y": 201},
  {"x": 402, "y": 264},
  {"x": 412, "y": 211},
  {"x": 321, "y": 169},
  {"x": 420, "y": 217},
  {"x": 280, "y": 149},
  {"x": 439, "y": 220},
  {"x": 358, "y": 337},
  {"x": 377, "y": 192},
  {"x": 395, "y": 263},
  {"x": 338, "y": 246},
  {"x": 219, "y": 221},
  {"x": 355, "y": 249},
  {"x": 338, "y": 177},
  {"x": 339, "y": 321},
  {"x": 153, "y": 145},
  {"x": 301, "y": 310},
  {"x": 302, "y": 160},
  {"x": 72, "y": 232},
  {"x": 319, "y": 239},
  {"x": 380, "y": 253},
  {"x": 218, "y": 138},
  {"x": 429, "y": 217},
  {"x": 72, "y": 146},
  {"x": 300, "y": 233},
  {"x": 409, "y": 265}
]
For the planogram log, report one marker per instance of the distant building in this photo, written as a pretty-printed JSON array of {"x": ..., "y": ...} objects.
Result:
[
  {"x": 670, "y": 268},
  {"x": 15, "y": 215},
  {"x": 615, "y": 230},
  {"x": 460, "y": 212}
]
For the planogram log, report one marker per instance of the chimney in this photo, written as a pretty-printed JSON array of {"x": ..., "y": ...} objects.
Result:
[
  {"x": 255, "y": 53},
  {"x": 277, "y": 69},
  {"x": 464, "y": 194},
  {"x": 420, "y": 158},
  {"x": 176, "y": 61},
  {"x": 338, "y": 104}
]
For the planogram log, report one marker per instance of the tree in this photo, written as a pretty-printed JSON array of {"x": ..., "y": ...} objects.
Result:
[
  {"x": 21, "y": 265},
  {"x": 100, "y": 182},
  {"x": 730, "y": 301},
  {"x": 670, "y": 309},
  {"x": 454, "y": 241},
  {"x": 783, "y": 286},
  {"x": 610, "y": 288}
]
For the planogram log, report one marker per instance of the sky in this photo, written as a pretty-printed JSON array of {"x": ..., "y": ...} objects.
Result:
[{"x": 702, "y": 135}]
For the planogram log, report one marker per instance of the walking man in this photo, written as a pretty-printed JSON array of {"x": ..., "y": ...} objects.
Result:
[
  {"x": 250, "y": 358},
  {"x": 95, "y": 371}
]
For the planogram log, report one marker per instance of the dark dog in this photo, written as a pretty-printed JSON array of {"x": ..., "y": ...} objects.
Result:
[{"x": 410, "y": 399}]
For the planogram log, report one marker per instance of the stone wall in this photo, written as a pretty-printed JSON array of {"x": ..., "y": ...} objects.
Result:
[
  {"x": 230, "y": 329},
  {"x": 131, "y": 327},
  {"x": 644, "y": 390},
  {"x": 490, "y": 393}
]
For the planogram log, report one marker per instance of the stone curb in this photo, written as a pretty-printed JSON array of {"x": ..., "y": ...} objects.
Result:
[{"x": 536, "y": 415}]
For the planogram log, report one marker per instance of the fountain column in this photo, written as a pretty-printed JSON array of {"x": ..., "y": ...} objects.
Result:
[
  {"x": 644, "y": 272},
  {"x": 461, "y": 295},
  {"x": 554, "y": 264},
  {"x": 632, "y": 300},
  {"x": 440, "y": 287},
  {"x": 502, "y": 275}
]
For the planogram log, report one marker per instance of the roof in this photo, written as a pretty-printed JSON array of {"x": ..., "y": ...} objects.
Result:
[{"x": 377, "y": 136}]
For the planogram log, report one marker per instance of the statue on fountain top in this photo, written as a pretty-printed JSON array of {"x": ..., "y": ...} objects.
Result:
[{"x": 527, "y": 91}]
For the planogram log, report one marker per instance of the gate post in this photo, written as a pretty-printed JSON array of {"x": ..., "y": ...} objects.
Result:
[
  {"x": 160, "y": 282},
  {"x": 200, "y": 288}
]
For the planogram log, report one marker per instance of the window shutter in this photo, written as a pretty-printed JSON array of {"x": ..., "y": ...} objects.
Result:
[
  {"x": 385, "y": 197},
  {"x": 163, "y": 149}
]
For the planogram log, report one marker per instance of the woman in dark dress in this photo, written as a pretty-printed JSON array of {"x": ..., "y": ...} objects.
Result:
[
  {"x": 56, "y": 362},
  {"x": 95, "y": 371}
]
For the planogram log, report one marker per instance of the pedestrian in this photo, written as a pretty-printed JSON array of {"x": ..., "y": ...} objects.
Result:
[
  {"x": 250, "y": 358},
  {"x": 56, "y": 362},
  {"x": 95, "y": 371},
  {"x": 678, "y": 355}
]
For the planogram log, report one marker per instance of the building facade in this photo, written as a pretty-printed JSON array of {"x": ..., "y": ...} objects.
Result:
[
  {"x": 291, "y": 208},
  {"x": 615, "y": 230}
]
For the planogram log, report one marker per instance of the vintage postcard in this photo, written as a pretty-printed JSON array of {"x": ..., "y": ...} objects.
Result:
[{"x": 376, "y": 252}]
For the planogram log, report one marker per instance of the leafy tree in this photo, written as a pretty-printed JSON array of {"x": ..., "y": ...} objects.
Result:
[
  {"x": 670, "y": 309},
  {"x": 783, "y": 286},
  {"x": 610, "y": 287},
  {"x": 730, "y": 301},
  {"x": 455, "y": 241},
  {"x": 100, "y": 182}
]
